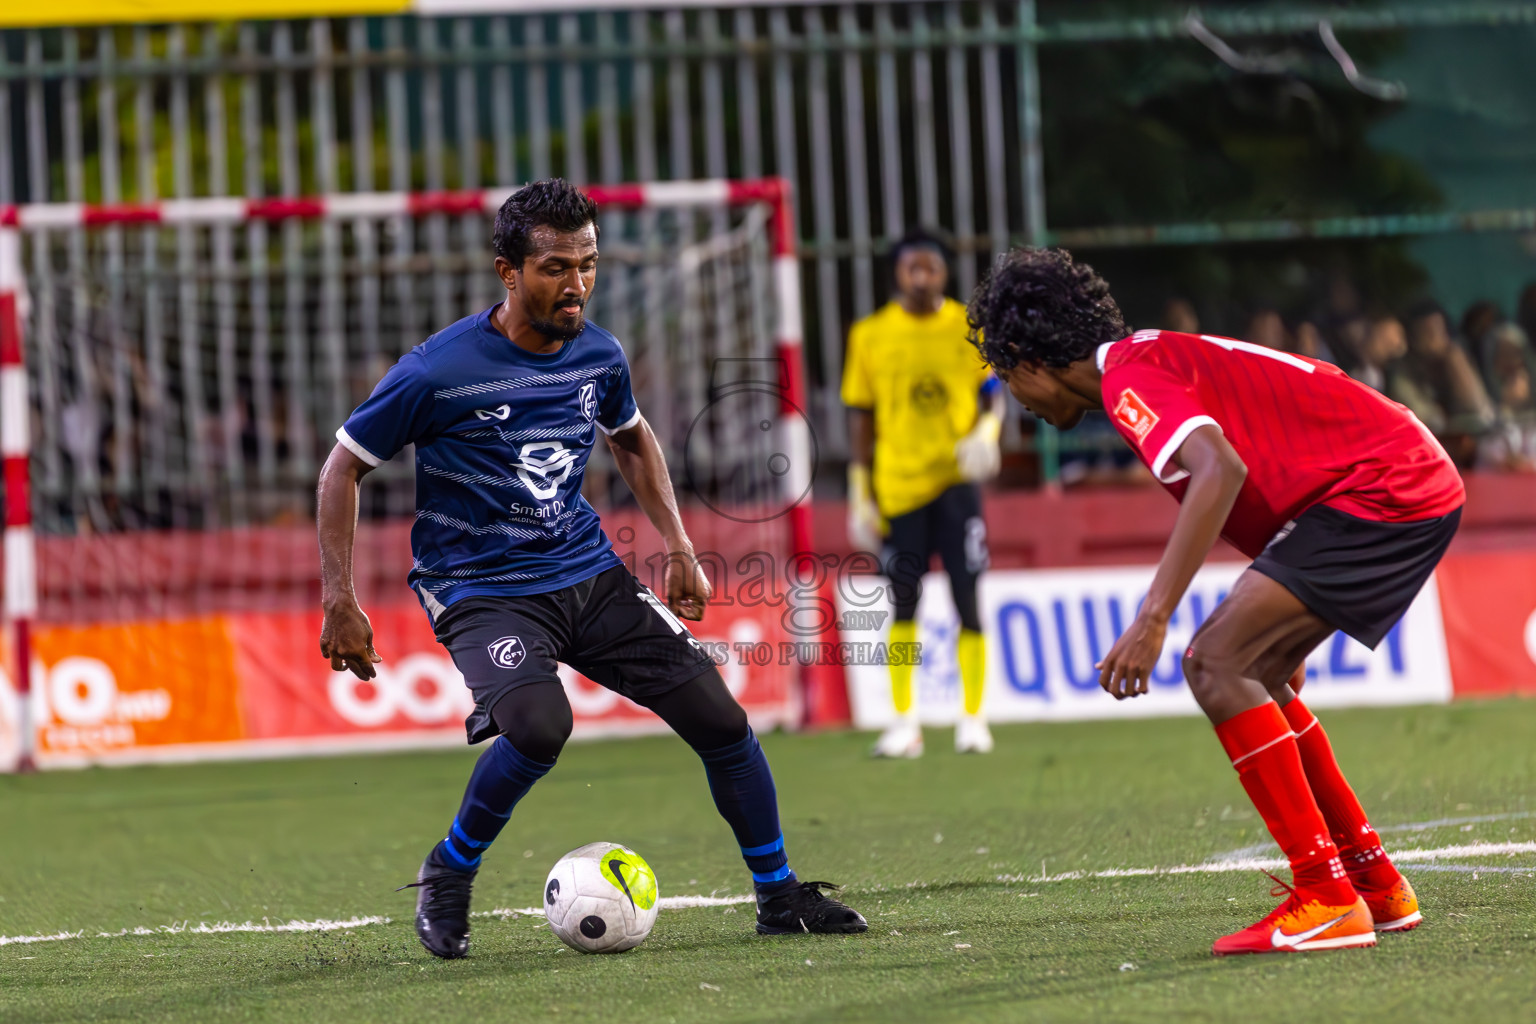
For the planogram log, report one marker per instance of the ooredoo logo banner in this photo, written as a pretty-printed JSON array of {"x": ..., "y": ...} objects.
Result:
[
  {"x": 97, "y": 690},
  {"x": 288, "y": 691}
]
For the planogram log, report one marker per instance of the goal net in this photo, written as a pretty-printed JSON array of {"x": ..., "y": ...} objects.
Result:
[{"x": 183, "y": 385}]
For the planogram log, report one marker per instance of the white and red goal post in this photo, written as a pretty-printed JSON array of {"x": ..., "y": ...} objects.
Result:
[
  {"x": 21, "y": 604},
  {"x": 20, "y": 573}
]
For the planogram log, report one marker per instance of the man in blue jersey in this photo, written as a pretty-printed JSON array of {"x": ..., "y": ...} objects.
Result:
[{"x": 513, "y": 568}]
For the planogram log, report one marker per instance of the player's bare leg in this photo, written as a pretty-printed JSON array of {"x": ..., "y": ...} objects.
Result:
[{"x": 1260, "y": 616}]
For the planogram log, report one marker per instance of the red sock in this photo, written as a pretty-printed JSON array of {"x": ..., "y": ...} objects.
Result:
[
  {"x": 1263, "y": 750},
  {"x": 1359, "y": 845}
]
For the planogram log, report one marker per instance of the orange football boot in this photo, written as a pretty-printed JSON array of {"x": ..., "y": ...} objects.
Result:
[
  {"x": 1301, "y": 925},
  {"x": 1395, "y": 908}
]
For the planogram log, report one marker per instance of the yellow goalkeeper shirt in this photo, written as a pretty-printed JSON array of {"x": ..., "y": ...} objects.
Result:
[{"x": 920, "y": 377}]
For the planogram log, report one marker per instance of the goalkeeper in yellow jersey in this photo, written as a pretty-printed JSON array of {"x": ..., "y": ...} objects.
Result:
[{"x": 924, "y": 416}]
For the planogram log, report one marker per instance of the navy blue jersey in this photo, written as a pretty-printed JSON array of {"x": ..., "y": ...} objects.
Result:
[{"x": 502, "y": 437}]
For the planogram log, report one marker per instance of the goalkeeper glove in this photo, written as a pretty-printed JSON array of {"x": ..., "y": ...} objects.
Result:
[
  {"x": 866, "y": 526},
  {"x": 978, "y": 453}
]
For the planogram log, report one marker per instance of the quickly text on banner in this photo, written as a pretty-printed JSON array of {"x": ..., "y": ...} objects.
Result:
[{"x": 1046, "y": 629}]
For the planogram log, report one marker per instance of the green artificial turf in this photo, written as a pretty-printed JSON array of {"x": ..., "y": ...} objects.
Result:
[{"x": 940, "y": 854}]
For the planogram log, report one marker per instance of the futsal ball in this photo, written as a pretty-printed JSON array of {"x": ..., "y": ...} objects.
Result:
[{"x": 601, "y": 898}]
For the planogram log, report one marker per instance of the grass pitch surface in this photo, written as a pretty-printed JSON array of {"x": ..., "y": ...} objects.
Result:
[{"x": 942, "y": 855}]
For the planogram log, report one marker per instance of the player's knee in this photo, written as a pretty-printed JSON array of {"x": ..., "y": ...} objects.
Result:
[
  {"x": 1205, "y": 672},
  {"x": 728, "y": 725},
  {"x": 703, "y": 713},
  {"x": 542, "y": 737},
  {"x": 535, "y": 721},
  {"x": 720, "y": 722}
]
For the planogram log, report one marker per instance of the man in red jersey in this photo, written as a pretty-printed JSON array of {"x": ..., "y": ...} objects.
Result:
[{"x": 1342, "y": 498}]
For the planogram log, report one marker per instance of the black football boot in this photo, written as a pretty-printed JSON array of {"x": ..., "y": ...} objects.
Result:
[
  {"x": 442, "y": 908},
  {"x": 802, "y": 908}
]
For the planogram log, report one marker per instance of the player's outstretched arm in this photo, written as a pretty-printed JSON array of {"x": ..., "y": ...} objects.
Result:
[
  {"x": 1216, "y": 474},
  {"x": 644, "y": 467},
  {"x": 345, "y": 635}
]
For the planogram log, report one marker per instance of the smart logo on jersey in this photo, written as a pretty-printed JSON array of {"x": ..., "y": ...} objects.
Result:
[
  {"x": 1135, "y": 415},
  {"x": 501, "y": 412},
  {"x": 587, "y": 400},
  {"x": 508, "y": 652},
  {"x": 543, "y": 466}
]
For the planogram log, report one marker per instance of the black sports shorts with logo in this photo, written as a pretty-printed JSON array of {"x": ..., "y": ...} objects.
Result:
[
  {"x": 1356, "y": 574},
  {"x": 610, "y": 628}
]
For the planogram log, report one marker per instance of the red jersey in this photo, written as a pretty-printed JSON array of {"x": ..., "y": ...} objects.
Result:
[{"x": 1308, "y": 433}]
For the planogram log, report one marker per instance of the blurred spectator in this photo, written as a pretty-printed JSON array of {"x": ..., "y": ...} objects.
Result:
[
  {"x": 1525, "y": 310},
  {"x": 1376, "y": 344},
  {"x": 1472, "y": 382},
  {"x": 1307, "y": 340},
  {"x": 1437, "y": 381},
  {"x": 1267, "y": 328},
  {"x": 1478, "y": 319},
  {"x": 1341, "y": 315},
  {"x": 1179, "y": 315},
  {"x": 1511, "y": 444}
]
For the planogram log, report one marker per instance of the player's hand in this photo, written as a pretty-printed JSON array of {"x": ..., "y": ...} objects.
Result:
[
  {"x": 346, "y": 637},
  {"x": 688, "y": 589},
  {"x": 1127, "y": 670},
  {"x": 978, "y": 453}
]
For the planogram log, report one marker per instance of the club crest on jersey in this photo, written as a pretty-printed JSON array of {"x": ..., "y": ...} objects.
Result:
[
  {"x": 1135, "y": 415},
  {"x": 508, "y": 652},
  {"x": 501, "y": 412},
  {"x": 587, "y": 399},
  {"x": 543, "y": 466}
]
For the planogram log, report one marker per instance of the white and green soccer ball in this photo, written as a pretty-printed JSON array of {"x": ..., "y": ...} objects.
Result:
[{"x": 601, "y": 898}]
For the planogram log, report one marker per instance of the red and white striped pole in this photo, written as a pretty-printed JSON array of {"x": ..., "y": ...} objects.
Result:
[
  {"x": 788, "y": 338},
  {"x": 20, "y": 557}
]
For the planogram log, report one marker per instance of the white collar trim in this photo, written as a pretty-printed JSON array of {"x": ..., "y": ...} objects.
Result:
[{"x": 1102, "y": 356}]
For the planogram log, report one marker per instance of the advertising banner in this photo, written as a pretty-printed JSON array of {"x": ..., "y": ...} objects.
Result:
[
  {"x": 1046, "y": 629},
  {"x": 254, "y": 684},
  {"x": 1489, "y": 601}
]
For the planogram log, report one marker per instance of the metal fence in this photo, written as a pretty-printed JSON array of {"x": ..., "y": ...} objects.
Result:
[
  {"x": 204, "y": 392},
  {"x": 885, "y": 115}
]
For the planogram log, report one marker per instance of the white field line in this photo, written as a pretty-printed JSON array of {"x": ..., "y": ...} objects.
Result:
[
  {"x": 328, "y": 925},
  {"x": 689, "y": 902},
  {"x": 1274, "y": 864},
  {"x": 205, "y": 928},
  {"x": 1245, "y": 852}
]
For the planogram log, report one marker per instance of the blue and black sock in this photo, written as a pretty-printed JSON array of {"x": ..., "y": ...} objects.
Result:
[
  {"x": 742, "y": 785},
  {"x": 501, "y": 777}
]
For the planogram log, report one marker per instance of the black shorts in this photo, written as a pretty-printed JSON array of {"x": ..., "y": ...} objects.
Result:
[
  {"x": 1356, "y": 574},
  {"x": 951, "y": 525},
  {"x": 610, "y": 628}
]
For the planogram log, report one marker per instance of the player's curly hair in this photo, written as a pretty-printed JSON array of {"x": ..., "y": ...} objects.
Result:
[
  {"x": 1038, "y": 306},
  {"x": 553, "y": 202}
]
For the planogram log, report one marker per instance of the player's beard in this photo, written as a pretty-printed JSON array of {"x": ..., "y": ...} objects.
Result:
[{"x": 555, "y": 330}]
